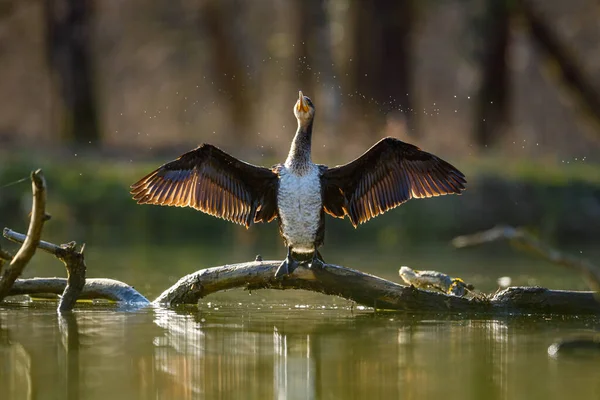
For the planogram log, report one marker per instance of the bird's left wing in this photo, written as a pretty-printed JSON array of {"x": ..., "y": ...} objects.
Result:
[
  {"x": 212, "y": 181},
  {"x": 385, "y": 176}
]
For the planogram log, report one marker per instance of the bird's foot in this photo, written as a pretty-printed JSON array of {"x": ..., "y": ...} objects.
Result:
[
  {"x": 287, "y": 267},
  {"x": 317, "y": 261}
]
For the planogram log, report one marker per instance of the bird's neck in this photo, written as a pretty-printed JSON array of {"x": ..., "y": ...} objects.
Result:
[{"x": 299, "y": 160}]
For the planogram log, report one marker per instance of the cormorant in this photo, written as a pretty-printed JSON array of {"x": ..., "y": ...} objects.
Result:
[{"x": 298, "y": 192}]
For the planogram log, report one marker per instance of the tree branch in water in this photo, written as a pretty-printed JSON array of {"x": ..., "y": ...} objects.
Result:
[
  {"x": 372, "y": 291},
  {"x": 95, "y": 288},
  {"x": 365, "y": 289},
  {"x": 36, "y": 224},
  {"x": 529, "y": 242},
  {"x": 72, "y": 259},
  {"x": 75, "y": 286}
]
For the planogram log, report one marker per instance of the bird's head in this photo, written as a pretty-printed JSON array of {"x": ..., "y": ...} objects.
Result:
[{"x": 304, "y": 110}]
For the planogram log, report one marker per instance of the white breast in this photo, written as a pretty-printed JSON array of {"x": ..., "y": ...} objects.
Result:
[{"x": 299, "y": 202}]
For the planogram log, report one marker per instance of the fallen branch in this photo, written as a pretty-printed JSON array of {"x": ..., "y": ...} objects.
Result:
[
  {"x": 72, "y": 259},
  {"x": 36, "y": 223},
  {"x": 75, "y": 286},
  {"x": 95, "y": 288},
  {"x": 590, "y": 271},
  {"x": 331, "y": 279},
  {"x": 372, "y": 291},
  {"x": 334, "y": 280}
]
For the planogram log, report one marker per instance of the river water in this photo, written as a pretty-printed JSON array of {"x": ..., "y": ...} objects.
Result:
[
  {"x": 290, "y": 344},
  {"x": 319, "y": 348}
]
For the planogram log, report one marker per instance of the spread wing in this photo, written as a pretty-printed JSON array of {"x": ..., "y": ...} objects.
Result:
[
  {"x": 385, "y": 176},
  {"x": 212, "y": 181}
]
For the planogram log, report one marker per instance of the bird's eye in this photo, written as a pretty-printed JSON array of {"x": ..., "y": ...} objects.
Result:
[{"x": 308, "y": 101}]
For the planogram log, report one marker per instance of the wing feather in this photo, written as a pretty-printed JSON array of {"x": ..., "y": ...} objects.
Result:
[
  {"x": 385, "y": 176},
  {"x": 213, "y": 182}
]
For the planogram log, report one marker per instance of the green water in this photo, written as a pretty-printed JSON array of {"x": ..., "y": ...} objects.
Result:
[
  {"x": 268, "y": 350},
  {"x": 290, "y": 344}
]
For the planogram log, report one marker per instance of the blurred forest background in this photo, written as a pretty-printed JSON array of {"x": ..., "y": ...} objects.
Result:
[{"x": 99, "y": 93}]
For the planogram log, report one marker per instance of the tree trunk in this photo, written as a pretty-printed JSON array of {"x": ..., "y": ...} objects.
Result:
[
  {"x": 68, "y": 53},
  {"x": 491, "y": 114},
  {"x": 571, "y": 75},
  {"x": 383, "y": 55},
  {"x": 227, "y": 63}
]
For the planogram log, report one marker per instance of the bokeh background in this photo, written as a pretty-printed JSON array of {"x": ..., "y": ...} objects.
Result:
[{"x": 99, "y": 93}]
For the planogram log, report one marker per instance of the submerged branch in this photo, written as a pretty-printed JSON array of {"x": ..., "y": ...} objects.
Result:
[
  {"x": 94, "y": 288},
  {"x": 333, "y": 280},
  {"x": 526, "y": 240},
  {"x": 372, "y": 291},
  {"x": 36, "y": 223}
]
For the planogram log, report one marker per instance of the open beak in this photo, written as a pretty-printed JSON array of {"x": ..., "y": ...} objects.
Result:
[{"x": 301, "y": 104}]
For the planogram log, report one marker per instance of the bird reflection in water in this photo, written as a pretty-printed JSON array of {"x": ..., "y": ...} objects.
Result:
[
  {"x": 294, "y": 369},
  {"x": 204, "y": 359}
]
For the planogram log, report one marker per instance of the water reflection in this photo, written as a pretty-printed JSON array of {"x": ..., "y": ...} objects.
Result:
[
  {"x": 283, "y": 354},
  {"x": 15, "y": 368},
  {"x": 294, "y": 367},
  {"x": 69, "y": 330}
]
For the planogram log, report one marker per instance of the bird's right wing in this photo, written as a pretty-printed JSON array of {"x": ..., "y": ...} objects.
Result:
[
  {"x": 212, "y": 181},
  {"x": 385, "y": 176}
]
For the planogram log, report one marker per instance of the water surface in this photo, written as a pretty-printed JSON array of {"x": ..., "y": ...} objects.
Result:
[
  {"x": 322, "y": 348},
  {"x": 290, "y": 344}
]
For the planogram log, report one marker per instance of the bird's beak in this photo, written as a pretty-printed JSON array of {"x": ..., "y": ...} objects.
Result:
[{"x": 301, "y": 105}]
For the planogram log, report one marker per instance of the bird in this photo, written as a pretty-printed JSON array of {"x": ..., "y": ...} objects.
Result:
[{"x": 298, "y": 193}]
